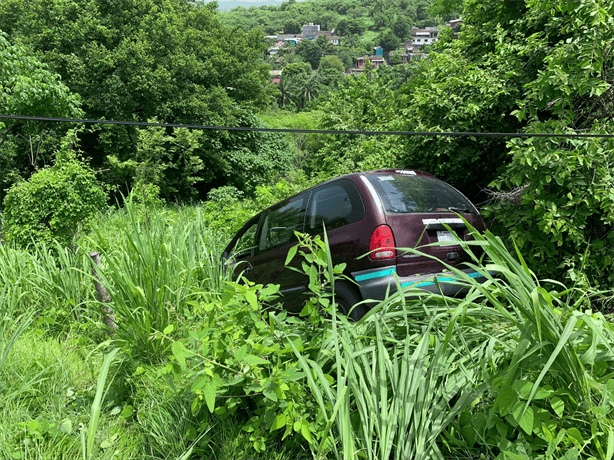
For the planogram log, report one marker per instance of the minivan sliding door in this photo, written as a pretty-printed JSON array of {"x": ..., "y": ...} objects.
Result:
[{"x": 274, "y": 240}]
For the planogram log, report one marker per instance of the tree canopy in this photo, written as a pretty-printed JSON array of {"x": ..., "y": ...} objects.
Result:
[{"x": 138, "y": 60}]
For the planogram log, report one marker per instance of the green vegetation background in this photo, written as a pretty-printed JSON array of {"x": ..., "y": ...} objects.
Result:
[{"x": 203, "y": 369}]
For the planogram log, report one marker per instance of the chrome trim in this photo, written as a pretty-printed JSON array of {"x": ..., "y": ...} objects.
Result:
[{"x": 374, "y": 195}]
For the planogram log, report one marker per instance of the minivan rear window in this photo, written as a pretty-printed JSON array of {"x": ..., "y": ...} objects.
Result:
[{"x": 407, "y": 194}]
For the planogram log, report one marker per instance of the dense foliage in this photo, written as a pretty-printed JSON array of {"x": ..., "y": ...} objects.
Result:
[
  {"x": 345, "y": 16},
  {"x": 28, "y": 87},
  {"x": 52, "y": 204},
  {"x": 203, "y": 366},
  {"x": 139, "y": 60}
]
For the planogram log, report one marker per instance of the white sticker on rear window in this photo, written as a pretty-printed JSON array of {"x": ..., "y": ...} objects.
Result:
[
  {"x": 385, "y": 177},
  {"x": 405, "y": 171},
  {"x": 453, "y": 220}
]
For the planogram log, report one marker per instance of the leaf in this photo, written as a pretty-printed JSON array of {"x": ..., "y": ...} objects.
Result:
[
  {"x": 180, "y": 352},
  {"x": 523, "y": 388},
  {"x": 610, "y": 449},
  {"x": 557, "y": 405},
  {"x": 109, "y": 442},
  {"x": 66, "y": 426},
  {"x": 305, "y": 431},
  {"x": 279, "y": 422},
  {"x": 251, "y": 298},
  {"x": 576, "y": 437},
  {"x": 525, "y": 420},
  {"x": 116, "y": 410},
  {"x": 270, "y": 394},
  {"x": 502, "y": 428},
  {"x": 506, "y": 399},
  {"x": 139, "y": 370},
  {"x": 241, "y": 352},
  {"x": 127, "y": 412},
  {"x": 168, "y": 329},
  {"x": 209, "y": 395},
  {"x": 255, "y": 360},
  {"x": 291, "y": 254}
]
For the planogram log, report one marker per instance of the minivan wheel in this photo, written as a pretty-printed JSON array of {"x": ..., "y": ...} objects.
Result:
[{"x": 346, "y": 298}]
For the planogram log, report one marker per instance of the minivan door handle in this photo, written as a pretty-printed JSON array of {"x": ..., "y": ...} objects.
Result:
[{"x": 452, "y": 256}]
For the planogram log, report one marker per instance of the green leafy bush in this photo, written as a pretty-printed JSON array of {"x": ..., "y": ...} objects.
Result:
[
  {"x": 561, "y": 214},
  {"x": 227, "y": 210},
  {"x": 54, "y": 202}
]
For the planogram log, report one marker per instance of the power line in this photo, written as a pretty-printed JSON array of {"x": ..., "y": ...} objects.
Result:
[{"x": 308, "y": 131}]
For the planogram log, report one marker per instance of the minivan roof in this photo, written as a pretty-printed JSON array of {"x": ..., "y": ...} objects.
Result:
[{"x": 399, "y": 171}]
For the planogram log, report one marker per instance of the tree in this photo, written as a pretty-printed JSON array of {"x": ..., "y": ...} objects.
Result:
[
  {"x": 296, "y": 68},
  {"x": 136, "y": 60},
  {"x": 308, "y": 90},
  {"x": 292, "y": 27},
  {"x": 401, "y": 28},
  {"x": 29, "y": 88},
  {"x": 388, "y": 40},
  {"x": 331, "y": 62},
  {"x": 310, "y": 51},
  {"x": 286, "y": 92},
  {"x": 53, "y": 202}
]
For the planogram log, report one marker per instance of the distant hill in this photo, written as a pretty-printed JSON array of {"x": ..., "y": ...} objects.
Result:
[{"x": 227, "y": 5}]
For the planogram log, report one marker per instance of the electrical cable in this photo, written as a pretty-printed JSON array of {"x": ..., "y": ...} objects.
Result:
[{"x": 309, "y": 131}]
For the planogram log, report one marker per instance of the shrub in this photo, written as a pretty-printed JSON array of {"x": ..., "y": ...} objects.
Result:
[
  {"x": 563, "y": 221},
  {"x": 53, "y": 202}
]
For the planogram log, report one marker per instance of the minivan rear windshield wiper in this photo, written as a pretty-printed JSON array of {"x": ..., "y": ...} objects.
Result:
[{"x": 459, "y": 209}]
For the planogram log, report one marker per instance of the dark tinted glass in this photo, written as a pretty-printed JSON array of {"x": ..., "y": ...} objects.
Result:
[
  {"x": 247, "y": 243},
  {"x": 402, "y": 194},
  {"x": 279, "y": 224},
  {"x": 335, "y": 205}
]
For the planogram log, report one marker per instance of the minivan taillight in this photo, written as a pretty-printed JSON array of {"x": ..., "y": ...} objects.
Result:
[{"x": 382, "y": 243}]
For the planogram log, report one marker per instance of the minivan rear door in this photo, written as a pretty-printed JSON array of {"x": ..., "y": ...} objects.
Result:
[{"x": 420, "y": 209}]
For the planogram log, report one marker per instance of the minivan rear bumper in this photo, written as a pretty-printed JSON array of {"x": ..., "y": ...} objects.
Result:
[{"x": 374, "y": 283}]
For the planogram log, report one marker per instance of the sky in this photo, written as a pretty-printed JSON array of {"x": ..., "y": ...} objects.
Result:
[{"x": 227, "y": 5}]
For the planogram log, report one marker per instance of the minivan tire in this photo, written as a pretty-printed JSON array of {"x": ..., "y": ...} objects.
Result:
[{"x": 347, "y": 298}]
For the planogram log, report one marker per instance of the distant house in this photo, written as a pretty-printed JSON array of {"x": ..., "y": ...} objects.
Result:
[
  {"x": 275, "y": 76},
  {"x": 311, "y": 31},
  {"x": 454, "y": 22},
  {"x": 379, "y": 51},
  {"x": 332, "y": 39},
  {"x": 376, "y": 61},
  {"x": 273, "y": 50},
  {"x": 426, "y": 36}
]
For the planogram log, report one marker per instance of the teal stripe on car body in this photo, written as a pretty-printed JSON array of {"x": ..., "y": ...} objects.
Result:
[
  {"x": 441, "y": 280},
  {"x": 377, "y": 274}
]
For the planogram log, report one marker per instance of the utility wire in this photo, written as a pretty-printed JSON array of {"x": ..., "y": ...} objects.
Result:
[{"x": 308, "y": 131}]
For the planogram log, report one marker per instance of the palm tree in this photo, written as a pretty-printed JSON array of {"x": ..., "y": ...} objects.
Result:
[
  {"x": 286, "y": 91},
  {"x": 308, "y": 90}
]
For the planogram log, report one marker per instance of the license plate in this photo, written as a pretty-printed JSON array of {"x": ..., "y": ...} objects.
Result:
[{"x": 446, "y": 236}]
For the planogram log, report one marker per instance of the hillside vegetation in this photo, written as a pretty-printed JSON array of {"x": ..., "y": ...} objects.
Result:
[{"x": 184, "y": 360}]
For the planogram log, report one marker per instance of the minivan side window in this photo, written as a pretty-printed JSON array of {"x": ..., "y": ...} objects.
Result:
[
  {"x": 246, "y": 244},
  {"x": 280, "y": 223},
  {"x": 335, "y": 205}
]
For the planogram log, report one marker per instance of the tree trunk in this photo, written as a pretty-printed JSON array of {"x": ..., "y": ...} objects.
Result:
[{"x": 108, "y": 317}]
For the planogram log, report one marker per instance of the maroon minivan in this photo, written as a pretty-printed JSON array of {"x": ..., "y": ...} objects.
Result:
[{"x": 368, "y": 212}]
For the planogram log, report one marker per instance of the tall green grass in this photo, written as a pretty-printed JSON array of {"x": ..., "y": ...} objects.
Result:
[
  {"x": 157, "y": 270},
  {"x": 514, "y": 350}
]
